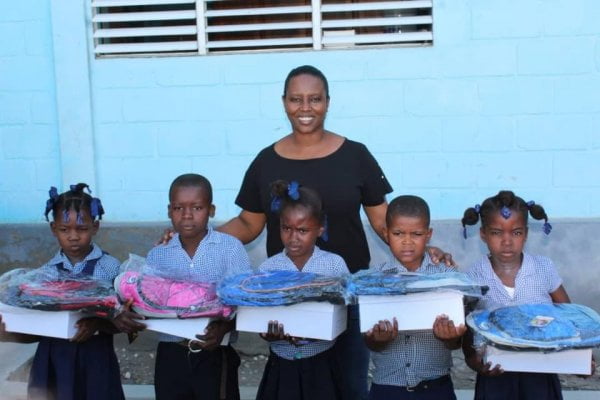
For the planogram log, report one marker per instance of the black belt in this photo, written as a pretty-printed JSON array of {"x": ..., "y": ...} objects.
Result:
[{"x": 425, "y": 385}]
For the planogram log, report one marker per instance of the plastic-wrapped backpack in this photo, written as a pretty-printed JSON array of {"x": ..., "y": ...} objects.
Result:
[
  {"x": 158, "y": 297},
  {"x": 540, "y": 326},
  {"x": 35, "y": 289},
  {"x": 282, "y": 288},
  {"x": 368, "y": 282}
]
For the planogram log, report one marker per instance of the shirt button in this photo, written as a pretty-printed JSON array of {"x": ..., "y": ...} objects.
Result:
[{"x": 407, "y": 365}]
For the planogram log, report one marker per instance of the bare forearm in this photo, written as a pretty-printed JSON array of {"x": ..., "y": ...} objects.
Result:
[{"x": 245, "y": 227}]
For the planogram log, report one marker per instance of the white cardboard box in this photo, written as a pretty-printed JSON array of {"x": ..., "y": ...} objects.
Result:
[
  {"x": 315, "y": 320},
  {"x": 414, "y": 311},
  {"x": 186, "y": 328},
  {"x": 58, "y": 324},
  {"x": 577, "y": 361}
]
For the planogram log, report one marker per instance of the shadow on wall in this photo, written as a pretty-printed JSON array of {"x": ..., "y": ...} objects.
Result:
[{"x": 569, "y": 246}]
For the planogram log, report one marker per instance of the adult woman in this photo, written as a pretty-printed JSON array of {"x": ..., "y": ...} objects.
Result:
[
  {"x": 343, "y": 172},
  {"x": 346, "y": 176}
]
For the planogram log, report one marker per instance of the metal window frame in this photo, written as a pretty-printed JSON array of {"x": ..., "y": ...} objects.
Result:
[{"x": 329, "y": 33}]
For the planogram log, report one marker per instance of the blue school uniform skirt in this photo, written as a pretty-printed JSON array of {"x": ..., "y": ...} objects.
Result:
[
  {"x": 207, "y": 375},
  {"x": 64, "y": 370},
  {"x": 518, "y": 386},
  {"x": 314, "y": 378}
]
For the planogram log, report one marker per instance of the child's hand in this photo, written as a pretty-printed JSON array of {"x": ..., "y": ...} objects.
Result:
[
  {"x": 166, "y": 237},
  {"x": 127, "y": 320},
  {"x": 213, "y": 334},
  {"x": 445, "y": 330},
  {"x": 4, "y": 336},
  {"x": 438, "y": 255},
  {"x": 87, "y": 327},
  {"x": 275, "y": 332},
  {"x": 487, "y": 370},
  {"x": 382, "y": 334},
  {"x": 475, "y": 362}
]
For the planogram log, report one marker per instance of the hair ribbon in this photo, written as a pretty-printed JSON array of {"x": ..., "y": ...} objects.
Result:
[{"x": 293, "y": 192}]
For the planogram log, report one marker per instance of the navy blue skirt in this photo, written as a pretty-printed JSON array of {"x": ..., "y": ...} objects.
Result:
[
  {"x": 518, "y": 386},
  {"x": 207, "y": 375},
  {"x": 313, "y": 378},
  {"x": 64, "y": 370}
]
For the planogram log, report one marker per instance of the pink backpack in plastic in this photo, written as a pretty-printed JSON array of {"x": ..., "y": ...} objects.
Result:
[{"x": 158, "y": 297}]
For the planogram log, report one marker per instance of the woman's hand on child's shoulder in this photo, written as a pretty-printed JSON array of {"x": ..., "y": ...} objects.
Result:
[
  {"x": 440, "y": 256},
  {"x": 127, "y": 321},
  {"x": 275, "y": 331},
  {"x": 166, "y": 237}
]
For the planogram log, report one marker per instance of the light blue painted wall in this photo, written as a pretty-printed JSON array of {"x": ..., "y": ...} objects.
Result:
[
  {"x": 503, "y": 99},
  {"x": 29, "y": 149}
]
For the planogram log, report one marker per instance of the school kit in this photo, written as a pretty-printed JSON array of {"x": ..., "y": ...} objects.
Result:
[{"x": 528, "y": 338}]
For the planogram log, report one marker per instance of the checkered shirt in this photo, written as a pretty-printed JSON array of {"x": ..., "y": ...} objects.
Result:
[
  {"x": 534, "y": 282},
  {"x": 414, "y": 356},
  {"x": 321, "y": 262},
  {"x": 218, "y": 255},
  {"x": 107, "y": 267}
]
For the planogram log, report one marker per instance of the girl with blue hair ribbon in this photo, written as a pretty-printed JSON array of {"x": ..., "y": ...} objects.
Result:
[
  {"x": 514, "y": 277},
  {"x": 300, "y": 369},
  {"x": 84, "y": 367}
]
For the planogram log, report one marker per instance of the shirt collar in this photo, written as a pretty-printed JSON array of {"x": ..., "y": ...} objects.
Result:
[
  {"x": 396, "y": 266},
  {"x": 211, "y": 237},
  {"x": 60, "y": 257},
  {"x": 317, "y": 252}
]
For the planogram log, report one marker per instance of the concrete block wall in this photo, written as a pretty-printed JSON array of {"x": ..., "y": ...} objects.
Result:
[
  {"x": 507, "y": 97},
  {"x": 29, "y": 149}
]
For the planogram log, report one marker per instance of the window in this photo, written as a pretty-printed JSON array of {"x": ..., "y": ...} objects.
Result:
[{"x": 213, "y": 26}]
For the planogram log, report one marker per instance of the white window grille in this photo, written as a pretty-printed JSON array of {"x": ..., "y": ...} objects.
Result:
[{"x": 209, "y": 26}]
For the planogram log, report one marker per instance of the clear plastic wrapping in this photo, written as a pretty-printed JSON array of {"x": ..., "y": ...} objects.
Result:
[
  {"x": 282, "y": 288},
  {"x": 537, "y": 326},
  {"x": 41, "y": 289},
  {"x": 159, "y": 297},
  {"x": 369, "y": 282}
]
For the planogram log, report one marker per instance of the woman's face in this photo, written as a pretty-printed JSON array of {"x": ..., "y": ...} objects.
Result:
[{"x": 306, "y": 104}]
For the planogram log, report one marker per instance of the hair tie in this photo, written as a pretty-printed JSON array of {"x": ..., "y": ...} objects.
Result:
[
  {"x": 293, "y": 187},
  {"x": 505, "y": 212},
  {"x": 325, "y": 234},
  {"x": 530, "y": 204},
  {"x": 53, "y": 193},
  {"x": 477, "y": 208},
  {"x": 73, "y": 188},
  {"x": 96, "y": 209},
  {"x": 547, "y": 228},
  {"x": 275, "y": 203}
]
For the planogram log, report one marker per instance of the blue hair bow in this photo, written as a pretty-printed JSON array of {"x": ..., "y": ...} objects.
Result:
[{"x": 293, "y": 190}]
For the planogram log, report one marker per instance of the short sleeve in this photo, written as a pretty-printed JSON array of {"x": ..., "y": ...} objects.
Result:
[
  {"x": 110, "y": 267},
  {"x": 248, "y": 197},
  {"x": 554, "y": 279},
  {"x": 239, "y": 262},
  {"x": 338, "y": 266},
  {"x": 375, "y": 184}
]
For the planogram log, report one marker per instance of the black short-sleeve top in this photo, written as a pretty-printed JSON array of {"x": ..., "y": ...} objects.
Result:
[{"x": 346, "y": 179}]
